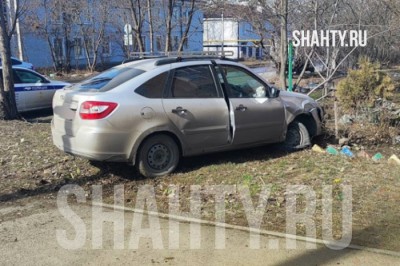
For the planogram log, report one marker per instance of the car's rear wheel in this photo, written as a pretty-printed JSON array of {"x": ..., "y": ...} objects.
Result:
[
  {"x": 158, "y": 156},
  {"x": 297, "y": 136}
]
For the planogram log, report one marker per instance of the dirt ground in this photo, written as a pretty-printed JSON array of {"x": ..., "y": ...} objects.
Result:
[{"x": 32, "y": 169}]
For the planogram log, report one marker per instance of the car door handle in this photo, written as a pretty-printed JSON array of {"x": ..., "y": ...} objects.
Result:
[
  {"x": 179, "y": 111},
  {"x": 241, "y": 108}
]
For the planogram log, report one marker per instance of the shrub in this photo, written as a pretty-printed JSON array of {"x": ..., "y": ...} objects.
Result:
[{"x": 363, "y": 86}]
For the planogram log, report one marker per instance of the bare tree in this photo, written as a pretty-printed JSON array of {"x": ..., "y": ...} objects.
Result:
[
  {"x": 138, "y": 17},
  {"x": 8, "y": 106},
  {"x": 150, "y": 23},
  {"x": 42, "y": 25},
  {"x": 92, "y": 26},
  {"x": 168, "y": 22},
  {"x": 344, "y": 15},
  {"x": 56, "y": 24},
  {"x": 187, "y": 25}
]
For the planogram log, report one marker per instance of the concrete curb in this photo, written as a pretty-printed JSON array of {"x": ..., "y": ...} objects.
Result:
[{"x": 244, "y": 229}]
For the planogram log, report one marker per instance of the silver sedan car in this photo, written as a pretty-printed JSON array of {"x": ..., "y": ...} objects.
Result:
[{"x": 151, "y": 112}]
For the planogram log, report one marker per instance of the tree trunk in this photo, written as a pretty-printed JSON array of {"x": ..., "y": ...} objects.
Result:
[
  {"x": 8, "y": 106},
  {"x": 184, "y": 38},
  {"x": 67, "y": 43},
  {"x": 151, "y": 30},
  {"x": 137, "y": 17},
  {"x": 336, "y": 112},
  {"x": 170, "y": 10},
  {"x": 284, "y": 43}
]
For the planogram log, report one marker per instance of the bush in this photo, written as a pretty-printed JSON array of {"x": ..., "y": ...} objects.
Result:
[{"x": 363, "y": 86}]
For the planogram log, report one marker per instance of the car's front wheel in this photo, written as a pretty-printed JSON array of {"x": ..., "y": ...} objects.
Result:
[
  {"x": 158, "y": 156},
  {"x": 297, "y": 136}
]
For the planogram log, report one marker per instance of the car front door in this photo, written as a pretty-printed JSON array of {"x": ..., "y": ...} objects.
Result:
[
  {"x": 34, "y": 90},
  {"x": 256, "y": 117},
  {"x": 19, "y": 96},
  {"x": 196, "y": 106}
]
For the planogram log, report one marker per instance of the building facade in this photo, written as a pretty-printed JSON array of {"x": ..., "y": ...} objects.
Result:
[
  {"x": 78, "y": 34},
  {"x": 89, "y": 33}
]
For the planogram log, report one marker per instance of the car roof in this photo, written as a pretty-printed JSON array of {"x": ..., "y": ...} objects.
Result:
[
  {"x": 13, "y": 57},
  {"x": 148, "y": 64},
  {"x": 22, "y": 68}
]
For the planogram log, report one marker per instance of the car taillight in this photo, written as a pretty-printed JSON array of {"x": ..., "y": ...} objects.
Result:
[{"x": 96, "y": 110}]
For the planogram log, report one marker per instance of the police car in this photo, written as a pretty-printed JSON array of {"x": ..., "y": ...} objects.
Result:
[{"x": 32, "y": 90}]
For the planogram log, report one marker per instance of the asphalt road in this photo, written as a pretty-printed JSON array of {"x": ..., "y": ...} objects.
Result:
[{"x": 28, "y": 237}]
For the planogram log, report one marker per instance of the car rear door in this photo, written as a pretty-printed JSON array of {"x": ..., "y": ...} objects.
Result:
[
  {"x": 256, "y": 117},
  {"x": 196, "y": 106}
]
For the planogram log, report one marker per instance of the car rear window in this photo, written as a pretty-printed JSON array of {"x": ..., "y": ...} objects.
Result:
[
  {"x": 108, "y": 79},
  {"x": 154, "y": 87}
]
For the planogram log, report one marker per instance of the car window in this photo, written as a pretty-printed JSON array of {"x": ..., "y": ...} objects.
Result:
[
  {"x": 242, "y": 84},
  {"x": 22, "y": 76},
  {"x": 193, "y": 82},
  {"x": 154, "y": 87},
  {"x": 108, "y": 79}
]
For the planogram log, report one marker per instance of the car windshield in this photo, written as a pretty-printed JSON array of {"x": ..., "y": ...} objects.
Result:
[{"x": 108, "y": 79}]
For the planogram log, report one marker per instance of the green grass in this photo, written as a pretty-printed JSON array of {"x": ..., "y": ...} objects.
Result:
[{"x": 317, "y": 94}]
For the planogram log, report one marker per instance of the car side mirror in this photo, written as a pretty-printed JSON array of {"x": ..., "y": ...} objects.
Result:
[{"x": 274, "y": 92}]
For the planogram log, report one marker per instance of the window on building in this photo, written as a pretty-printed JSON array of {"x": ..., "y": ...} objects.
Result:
[
  {"x": 144, "y": 42},
  {"x": 157, "y": 11},
  {"x": 58, "y": 48},
  {"x": 89, "y": 47},
  {"x": 250, "y": 27},
  {"x": 185, "y": 17},
  {"x": 65, "y": 18},
  {"x": 175, "y": 43},
  {"x": 78, "y": 48},
  {"x": 159, "y": 43},
  {"x": 105, "y": 46},
  {"x": 177, "y": 13}
]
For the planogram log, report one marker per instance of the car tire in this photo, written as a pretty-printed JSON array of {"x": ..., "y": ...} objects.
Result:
[
  {"x": 158, "y": 156},
  {"x": 297, "y": 136}
]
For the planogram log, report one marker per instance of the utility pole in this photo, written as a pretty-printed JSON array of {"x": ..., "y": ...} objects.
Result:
[
  {"x": 290, "y": 65},
  {"x": 223, "y": 33},
  {"x": 223, "y": 27},
  {"x": 12, "y": 13}
]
